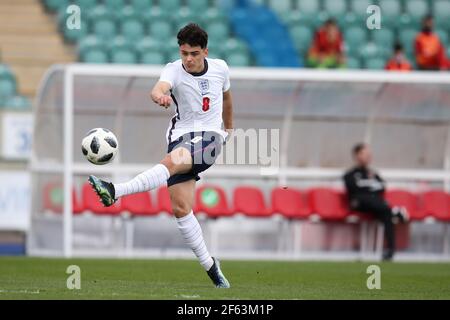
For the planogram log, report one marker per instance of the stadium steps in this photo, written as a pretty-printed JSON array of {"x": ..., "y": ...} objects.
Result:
[{"x": 29, "y": 42}]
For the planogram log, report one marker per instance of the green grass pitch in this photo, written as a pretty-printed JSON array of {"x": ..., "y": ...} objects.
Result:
[{"x": 35, "y": 278}]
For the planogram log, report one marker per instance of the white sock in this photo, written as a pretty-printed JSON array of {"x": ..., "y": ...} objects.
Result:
[
  {"x": 192, "y": 234},
  {"x": 145, "y": 181}
]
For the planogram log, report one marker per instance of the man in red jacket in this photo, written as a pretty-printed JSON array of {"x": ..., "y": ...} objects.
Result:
[
  {"x": 430, "y": 53},
  {"x": 327, "y": 48}
]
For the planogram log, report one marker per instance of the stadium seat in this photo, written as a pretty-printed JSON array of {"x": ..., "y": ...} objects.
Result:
[
  {"x": 132, "y": 29},
  {"x": 280, "y": 6},
  {"x": 235, "y": 45},
  {"x": 92, "y": 203},
  {"x": 335, "y": 8},
  {"x": 85, "y": 5},
  {"x": 161, "y": 30},
  {"x": 213, "y": 14},
  {"x": 212, "y": 200},
  {"x": 290, "y": 203},
  {"x": 163, "y": 200},
  {"x": 238, "y": 59},
  {"x": 436, "y": 203},
  {"x": 114, "y": 4},
  {"x": 375, "y": 63},
  {"x": 7, "y": 88},
  {"x": 302, "y": 37},
  {"x": 138, "y": 204},
  {"x": 198, "y": 5},
  {"x": 403, "y": 198},
  {"x": 328, "y": 204},
  {"x": 307, "y": 7},
  {"x": 407, "y": 37},
  {"x": 95, "y": 56},
  {"x": 443, "y": 36},
  {"x": 355, "y": 38},
  {"x": 441, "y": 11},
  {"x": 141, "y": 5},
  {"x": 416, "y": 9},
  {"x": 53, "y": 198},
  {"x": 123, "y": 56},
  {"x": 74, "y": 35},
  {"x": 219, "y": 31},
  {"x": 104, "y": 28},
  {"x": 353, "y": 63},
  {"x": 186, "y": 15},
  {"x": 152, "y": 57},
  {"x": 391, "y": 11},
  {"x": 383, "y": 37},
  {"x": 250, "y": 202},
  {"x": 170, "y": 5}
]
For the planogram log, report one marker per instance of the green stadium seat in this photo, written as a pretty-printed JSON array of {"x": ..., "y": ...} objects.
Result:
[
  {"x": 443, "y": 36},
  {"x": 307, "y": 7},
  {"x": 441, "y": 11},
  {"x": 280, "y": 6},
  {"x": 161, "y": 30},
  {"x": 141, "y": 5},
  {"x": 170, "y": 5},
  {"x": 155, "y": 14},
  {"x": 355, "y": 38},
  {"x": 215, "y": 48},
  {"x": 95, "y": 56},
  {"x": 174, "y": 56},
  {"x": 218, "y": 30},
  {"x": 371, "y": 51},
  {"x": 390, "y": 12},
  {"x": 186, "y": 15},
  {"x": 407, "y": 37},
  {"x": 104, "y": 28},
  {"x": 238, "y": 59},
  {"x": 8, "y": 88},
  {"x": 198, "y": 5},
  {"x": 335, "y": 8},
  {"x": 74, "y": 35},
  {"x": 295, "y": 18},
  {"x": 99, "y": 12},
  {"x": 18, "y": 103},
  {"x": 152, "y": 57},
  {"x": 123, "y": 56},
  {"x": 132, "y": 29},
  {"x": 416, "y": 9},
  {"x": 375, "y": 64},
  {"x": 235, "y": 45},
  {"x": 302, "y": 37},
  {"x": 85, "y": 5},
  {"x": 148, "y": 44},
  {"x": 56, "y": 5},
  {"x": 359, "y": 7},
  {"x": 114, "y": 4},
  {"x": 353, "y": 63},
  {"x": 383, "y": 37},
  {"x": 89, "y": 42},
  {"x": 213, "y": 14},
  {"x": 6, "y": 72},
  {"x": 121, "y": 43}
]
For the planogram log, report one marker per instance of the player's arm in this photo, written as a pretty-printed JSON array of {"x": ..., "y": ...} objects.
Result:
[
  {"x": 227, "y": 112},
  {"x": 159, "y": 94}
]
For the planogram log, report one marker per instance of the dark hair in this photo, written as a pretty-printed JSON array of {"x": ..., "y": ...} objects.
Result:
[
  {"x": 358, "y": 147},
  {"x": 193, "y": 35},
  {"x": 398, "y": 47},
  {"x": 428, "y": 16},
  {"x": 331, "y": 21}
]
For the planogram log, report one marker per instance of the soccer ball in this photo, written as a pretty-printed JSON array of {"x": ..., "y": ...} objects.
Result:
[{"x": 99, "y": 146}]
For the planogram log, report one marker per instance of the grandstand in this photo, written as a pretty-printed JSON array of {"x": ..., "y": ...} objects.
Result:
[{"x": 301, "y": 212}]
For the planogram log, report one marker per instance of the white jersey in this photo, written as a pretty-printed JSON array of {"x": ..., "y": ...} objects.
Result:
[{"x": 198, "y": 97}]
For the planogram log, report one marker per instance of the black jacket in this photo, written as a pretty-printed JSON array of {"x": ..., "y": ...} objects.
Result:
[{"x": 363, "y": 181}]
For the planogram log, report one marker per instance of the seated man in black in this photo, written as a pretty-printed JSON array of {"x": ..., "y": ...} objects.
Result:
[{"x": 365, "y": 190}]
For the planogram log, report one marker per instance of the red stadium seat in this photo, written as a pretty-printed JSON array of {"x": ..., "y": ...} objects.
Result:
[
  {"x": 250, "y": 201},
  {"x": 212, "y": 200},
  {"x": 290, "y": 203},
  {"x": 329, "y": 204},
  {"x": 406, "y": 199},
  {"x": 163, "y": 200},
  {"x": 138, "y": 204},
  {"x": 92, "y": 203},
  {"x": 49, "y": 203},
  {"x": 436, "y": 203}
]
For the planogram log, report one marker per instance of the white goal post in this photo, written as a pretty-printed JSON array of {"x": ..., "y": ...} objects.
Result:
[{"x": 319, "y": 113}]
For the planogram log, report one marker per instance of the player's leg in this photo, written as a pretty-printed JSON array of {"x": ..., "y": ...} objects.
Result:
[
  {"x": 182, "y": 199},
  {"x": 177, "y": 161}
]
